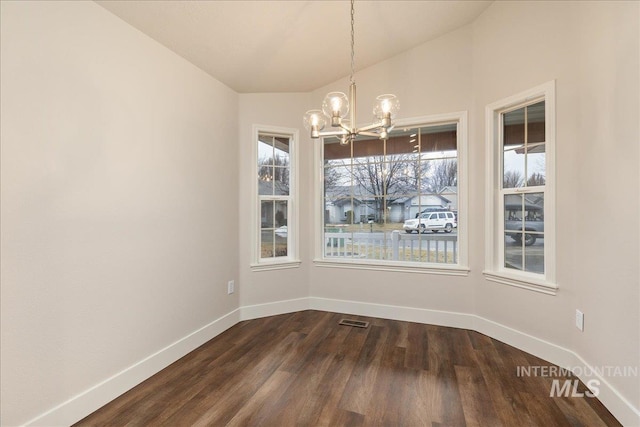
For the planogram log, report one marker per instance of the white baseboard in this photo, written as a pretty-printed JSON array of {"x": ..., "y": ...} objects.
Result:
[
  {"x": 408, "y": 314},
  {"x": 85, "y": 403},
  {"x": 257, "y": 311},
  {"x": 617, "y": 404}
]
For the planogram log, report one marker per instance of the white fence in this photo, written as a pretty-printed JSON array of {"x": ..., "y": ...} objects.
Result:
[{"x": 395, "y": 245}]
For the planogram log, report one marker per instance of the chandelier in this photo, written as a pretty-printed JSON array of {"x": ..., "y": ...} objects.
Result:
[{"x": 335, "y": 108}]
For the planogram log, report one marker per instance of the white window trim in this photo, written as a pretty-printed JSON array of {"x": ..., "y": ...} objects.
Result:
[
  {"x": 494, "y": 219},
  {"x": 292, "y": 260},
  {"x": 460, "y": 269}
]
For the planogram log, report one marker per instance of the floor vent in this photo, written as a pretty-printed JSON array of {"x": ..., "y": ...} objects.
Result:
[{"x": 355, "y": 323}]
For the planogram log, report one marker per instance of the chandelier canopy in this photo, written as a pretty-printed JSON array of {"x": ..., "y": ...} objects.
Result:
[{"x": 335, "y": 109}]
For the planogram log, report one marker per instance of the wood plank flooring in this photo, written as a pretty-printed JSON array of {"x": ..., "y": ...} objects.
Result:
[{"x": 305, "y": 369}]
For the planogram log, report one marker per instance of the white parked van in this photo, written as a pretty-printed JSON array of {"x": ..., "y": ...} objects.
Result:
[{"x": 431, "y": 221}]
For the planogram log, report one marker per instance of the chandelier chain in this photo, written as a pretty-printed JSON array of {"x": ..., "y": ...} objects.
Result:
[
  {"x": 337, "y": 105},
  {"x": 352, "y": 42}
]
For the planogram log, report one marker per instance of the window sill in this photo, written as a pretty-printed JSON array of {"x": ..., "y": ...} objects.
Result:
[
  {"x": 395, "y": 266},
  {"x": 523, "y": 282},
  {"x": 280, "y": 265}
]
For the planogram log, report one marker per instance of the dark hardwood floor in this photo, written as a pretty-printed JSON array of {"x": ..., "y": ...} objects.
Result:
[{"x": 305, "y": 369}]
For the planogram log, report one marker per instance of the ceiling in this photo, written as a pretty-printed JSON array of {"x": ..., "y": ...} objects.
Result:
[{"x": 290, "y": 46}]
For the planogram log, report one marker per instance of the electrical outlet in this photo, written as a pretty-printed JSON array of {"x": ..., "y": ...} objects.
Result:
[
  {"x": 580, "y": 320},
  {"x": 231, "y": 285}
]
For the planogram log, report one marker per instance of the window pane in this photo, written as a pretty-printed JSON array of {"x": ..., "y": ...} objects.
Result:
[
  {"x": 513, "y": 250},
  {"x": 265, "y": 150},
  {"x": 266, "y": 214},
  {"x": 513, "y": 212},
  {"x": 534, "y": 253},
  {"x": 335, "y": 210},
  {"x": 340, "y": 210},
  {"x": 404, "y": 208},
  {"x": 281, "y": 180},
  {"x": 534, "y": 211},
  {"x": 338, "y": 178},
  {"x": 281, "y": 151},
  {"x": 280, "y": 213},
  {"x": 368, "y": 177},
  {"x": 265, "y": 180},
  {"x": 442, "y": 175},
  {"x": 333, "y": 150},
  {"x": 365, "y": 148},
  {"x": 535, "y": 123},
  {"x": 397, "y": 212},
  {"x": 513, "y": 168},
  {"x": 513, "y": 131},
  {"x": 266, "y": 244},
  {"x": 338, "y": 243},
  {"x": 281, "y": 243},
  {"x": 438, "y": 139},
  {"x": 536, "y": 167}
]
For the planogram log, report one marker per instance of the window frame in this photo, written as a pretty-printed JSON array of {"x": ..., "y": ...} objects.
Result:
[
  {"x": 495, "y": 270},
  {"x": 292, "y": 260},
  {"x": 459, "y": 269}
]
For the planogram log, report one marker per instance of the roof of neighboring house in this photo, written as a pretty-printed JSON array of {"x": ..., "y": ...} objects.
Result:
[
  {"x": 449, "y": 189},
  {"x": 267, "y": 187},
  {"x": 348, "y": 191},
  {"x": 404, "y": 200}
]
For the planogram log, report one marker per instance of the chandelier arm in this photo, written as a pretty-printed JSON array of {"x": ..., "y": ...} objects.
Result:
[
  {"x": 334, "y": 133},
  {"x": 370, "y": 127},
  {"x": 359, "y": 132},
  {"x": 348, "y": 129}
]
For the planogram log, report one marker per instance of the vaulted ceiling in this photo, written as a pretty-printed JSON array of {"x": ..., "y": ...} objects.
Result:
[{"x": 290, "y": 46}]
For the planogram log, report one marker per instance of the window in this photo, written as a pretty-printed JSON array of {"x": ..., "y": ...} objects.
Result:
[
  {"x": 275, "y": 217},
  {"x": 398, "y": 203},
  {"x": 521, "y": 190}
]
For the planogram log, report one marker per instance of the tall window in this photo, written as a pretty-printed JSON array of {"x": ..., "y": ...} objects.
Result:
[
  {"x": 396, "y": 202},
  {"x": 521, "y": 146},
  {"x": 275, "y": 219}
]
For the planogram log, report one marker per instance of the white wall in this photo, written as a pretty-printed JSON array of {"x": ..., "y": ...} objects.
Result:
[
  {"x": 119, "y": 195},
  {"x": 285, "y": 111},
  {"x": 591, "y": 49},
  {"x": 431, "y": 79}
]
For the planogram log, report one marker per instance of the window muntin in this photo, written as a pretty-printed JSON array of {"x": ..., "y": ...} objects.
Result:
[{"x": 371, "y": 190}]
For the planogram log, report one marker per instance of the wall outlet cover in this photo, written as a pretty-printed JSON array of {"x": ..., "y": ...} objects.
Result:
[{"x": 580, "y": 320}]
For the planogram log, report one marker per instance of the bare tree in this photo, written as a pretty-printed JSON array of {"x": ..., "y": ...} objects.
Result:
[
  {"x": 332, "y": 178},
  {"x": 512, "y": 179},
  {"x": 445, "y": 174},
  {"x": 275, "y": 169},
  {"x": 394, "y": 178},
  {"x": 536, "y": 179}
]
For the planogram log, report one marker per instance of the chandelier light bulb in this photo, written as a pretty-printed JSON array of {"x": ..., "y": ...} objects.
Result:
[
  {"x": 314, "y": 122},
  {"x": 335, "y": 106},
  {"x": 386, "y": 107}
]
